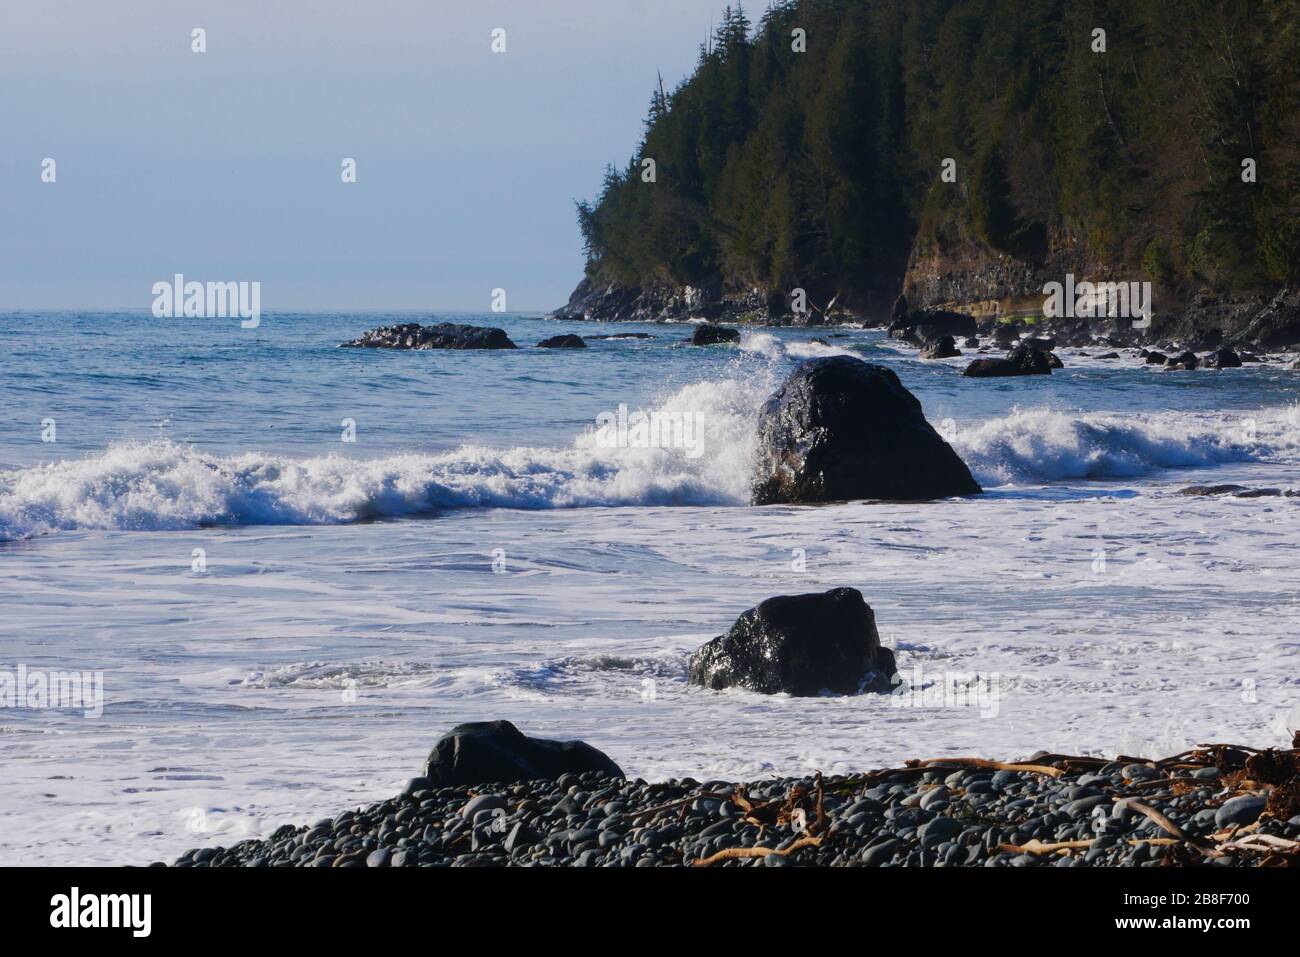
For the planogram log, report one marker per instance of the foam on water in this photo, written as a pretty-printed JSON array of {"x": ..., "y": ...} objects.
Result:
[
  {"x": 162, "y": 485},
  {"x": 157, "y": 486},
  {"x": 1041, "y": 445}
]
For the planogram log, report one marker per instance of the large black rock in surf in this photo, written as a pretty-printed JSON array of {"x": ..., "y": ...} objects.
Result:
[
  {"x": 802, "y": 645},
  {"x": 490, "y": 752},
  {"x": 841, "y": 429},
  {"x": 444, "y": 335}
]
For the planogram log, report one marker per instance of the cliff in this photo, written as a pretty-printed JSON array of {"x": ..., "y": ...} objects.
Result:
[{"x": 965, "y": 153}]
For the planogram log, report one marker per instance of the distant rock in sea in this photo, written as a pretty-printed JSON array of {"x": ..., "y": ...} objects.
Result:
[
  {"x": 562, "y": 342},
  {"x": 801, "y": 645},
  {"x": 444, "y": 335},
  {"x": 708, "y": 334},
  {"x": 841, "y": 429},
  {"x": 941, "y": 347},
  {"x": 1022, "y": 360}
]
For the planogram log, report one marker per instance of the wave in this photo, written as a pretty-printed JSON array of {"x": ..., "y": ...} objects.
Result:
[
  {"x": 1042, "y": 446},
  {"x": 698, "y": 452},
  {"x": 159, "y": 486}
]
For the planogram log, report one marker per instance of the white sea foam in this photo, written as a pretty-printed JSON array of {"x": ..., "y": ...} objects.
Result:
[
  {"x": 1041, "y": 446},
  {"x": 158, "y": 486}
]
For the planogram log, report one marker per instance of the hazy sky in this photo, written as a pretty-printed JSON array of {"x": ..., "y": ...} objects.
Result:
[{"x": 226, "y": 165}]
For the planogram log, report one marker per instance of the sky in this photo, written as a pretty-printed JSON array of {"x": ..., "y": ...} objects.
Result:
[{"x": 227, "y": 165}]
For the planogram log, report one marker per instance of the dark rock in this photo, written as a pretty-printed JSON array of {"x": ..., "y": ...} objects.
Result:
[
  {"x": 1109, "y": 355},
  {"x": 944, "y": 347},
  {"x": 444, "y": 335},
  {"x": 842, "y": 429},
  {"x": 562, "y": 342},
  {"x": 496, "y": 751},
  {"x": 1205, "y": 490},
  {"x": 971, "y": 343},
  {"x": 1154, "y": 358},
  {"x": 926, "y": 324},
  {"x": 1022, "y": 360},
  {"x": 1224, "y": 358},
  {"x": 801, "y": 645},
  {"x": 1040, "y": 343},
  {"x": 708, "y": 334},
  {"x": 1187, "y": 361},
  {"x": 1055, "y": 361},
  {"x": 621, "y": 335}
]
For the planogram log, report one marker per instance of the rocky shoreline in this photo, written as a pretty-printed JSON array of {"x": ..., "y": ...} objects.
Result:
[
  {"x": 1268, "y": 321},
  {"x": 1218, "y": 805}
]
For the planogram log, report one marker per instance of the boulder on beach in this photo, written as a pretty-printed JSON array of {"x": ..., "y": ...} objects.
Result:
[
  {"x": 943, "y": 347},
  {"x": 496, "y": 752},
  {"x": 569, "y": 341},
  {"x": 802, "y": 645},
  {"x": 444, "y": 335},
  {"x": 841, "y": 429},
  {"x": 1021, "y": 360},
  {"x": 709, "y": 334}
]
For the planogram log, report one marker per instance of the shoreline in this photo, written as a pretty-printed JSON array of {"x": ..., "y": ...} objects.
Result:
[{"x": 1217, "y": 805}]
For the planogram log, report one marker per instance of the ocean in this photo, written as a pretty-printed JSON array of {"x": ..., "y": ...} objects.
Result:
[{"x": 295, "y": 565}]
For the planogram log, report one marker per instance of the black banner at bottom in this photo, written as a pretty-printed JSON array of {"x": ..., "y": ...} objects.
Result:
[{"x": 336, "y": 906}]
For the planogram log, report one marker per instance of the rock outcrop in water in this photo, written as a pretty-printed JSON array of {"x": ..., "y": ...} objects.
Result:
[
  {"x": 842, "y": 429},
  {"x": 498, "y": 752},
  {"x": 802, "y": 645},
  {"x": 708, "y": 334},
  {"x": 1224, "y": 358},
  {"x": 569, "y": 341},
  {"x": 925, "y": 324},
  {"x": 444, "y": 335},
  {"x": 1022, "y": 360},
  {"x": 944, "y": 347}
]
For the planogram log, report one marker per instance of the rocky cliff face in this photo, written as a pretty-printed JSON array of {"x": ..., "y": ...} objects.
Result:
[{"x": 664, "y": 302}]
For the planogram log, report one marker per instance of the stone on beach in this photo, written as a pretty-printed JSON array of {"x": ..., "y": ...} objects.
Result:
[
  {"x": 497, "y": 751},
  {"x": 801, "y": 645}
]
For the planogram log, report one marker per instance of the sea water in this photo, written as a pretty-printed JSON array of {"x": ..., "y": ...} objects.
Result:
[{"x": 294, "y": 566}]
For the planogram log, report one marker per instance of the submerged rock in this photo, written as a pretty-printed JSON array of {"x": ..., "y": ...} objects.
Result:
[
  {"x": 562, "y": 342},
  {"x": 709, "y": 334},
  {"x": 497, "y": 752},
  {"x": 841, "y": 429},
  {"x": 444, "y": 335},
  {"x": 801, "y": 645}
]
